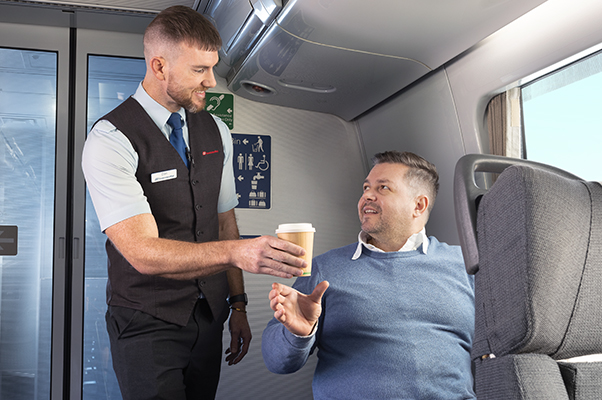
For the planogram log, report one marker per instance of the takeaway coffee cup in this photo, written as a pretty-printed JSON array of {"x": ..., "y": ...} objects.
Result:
[{"x": 301, "y": 234}]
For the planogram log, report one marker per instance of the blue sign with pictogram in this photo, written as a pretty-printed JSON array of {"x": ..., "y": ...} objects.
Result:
[{"x": 252, "y": 170}]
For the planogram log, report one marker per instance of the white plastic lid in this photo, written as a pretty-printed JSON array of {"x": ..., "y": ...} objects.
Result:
[{"x": 300, "y": 227}]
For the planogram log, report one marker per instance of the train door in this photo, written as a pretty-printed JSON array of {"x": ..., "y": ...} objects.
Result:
[
  {"x": 54, "y": 83},
  {"x": 34, "y": 185},
  {"x": 109, "y": 67}
]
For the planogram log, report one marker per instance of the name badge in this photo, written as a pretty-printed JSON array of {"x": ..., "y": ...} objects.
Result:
[{"x": 164, "y": 175}]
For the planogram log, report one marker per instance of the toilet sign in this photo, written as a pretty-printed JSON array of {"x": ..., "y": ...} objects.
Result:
[{"x": 252, "y": 170}]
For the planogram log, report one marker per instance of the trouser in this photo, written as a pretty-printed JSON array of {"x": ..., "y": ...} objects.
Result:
[{"x": 154, "y": 359}]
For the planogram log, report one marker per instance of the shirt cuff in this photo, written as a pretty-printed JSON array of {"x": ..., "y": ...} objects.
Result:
[{"x": 312, "y": 333}]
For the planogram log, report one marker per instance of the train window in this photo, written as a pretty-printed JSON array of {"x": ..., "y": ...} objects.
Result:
[
  {"x": 111, "y": 80},
  {"x": 562, "y": 119}
]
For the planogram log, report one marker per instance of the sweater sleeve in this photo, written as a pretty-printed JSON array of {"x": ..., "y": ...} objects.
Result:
[{"x": 284, "y": 352}]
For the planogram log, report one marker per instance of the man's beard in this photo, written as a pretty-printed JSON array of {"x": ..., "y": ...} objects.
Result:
[
  {"x": 186, "y": 101},
  {"x": 377, "y": 226}
]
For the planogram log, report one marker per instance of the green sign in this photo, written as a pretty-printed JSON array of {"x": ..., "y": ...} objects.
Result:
[{"x": 221, "y": 105}]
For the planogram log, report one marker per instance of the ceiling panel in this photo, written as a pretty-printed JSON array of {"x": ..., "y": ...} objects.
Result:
[
  {"x": 429, "y": 31},
  {"x": 147, "y": 6},
  {"x": 335, "y": 56},
  {"x": 346, "y": 56}
]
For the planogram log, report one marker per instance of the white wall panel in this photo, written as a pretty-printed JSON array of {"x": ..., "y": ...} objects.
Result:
[
  {"x": 422, "y": 120},
  {"x": 547, "y": 35},
  {"x": 317, "y": 172},
  {"x": 442, "y": 117}
]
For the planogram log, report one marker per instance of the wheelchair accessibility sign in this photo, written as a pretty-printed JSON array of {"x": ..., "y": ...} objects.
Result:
[{"x": 252, "y": 170}]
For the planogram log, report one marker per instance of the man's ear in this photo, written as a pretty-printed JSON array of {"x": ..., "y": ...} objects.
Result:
[
  {"x": 158, "y": 67},
  {"x": 422, "y": 204}
]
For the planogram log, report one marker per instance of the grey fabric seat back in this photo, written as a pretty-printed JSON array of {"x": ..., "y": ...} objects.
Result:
[
  {"x": 538, "y": 279},
  {"x": 540, "y": 265}
]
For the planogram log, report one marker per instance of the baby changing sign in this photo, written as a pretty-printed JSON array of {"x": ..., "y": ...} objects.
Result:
[{"x": 252, "y": 170}]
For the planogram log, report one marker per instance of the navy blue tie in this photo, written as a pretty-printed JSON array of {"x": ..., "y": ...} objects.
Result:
[{"x": 177, "y": 138}]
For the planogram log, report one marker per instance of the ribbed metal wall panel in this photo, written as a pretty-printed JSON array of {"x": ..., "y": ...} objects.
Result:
[{"x": 317, "y": 174}]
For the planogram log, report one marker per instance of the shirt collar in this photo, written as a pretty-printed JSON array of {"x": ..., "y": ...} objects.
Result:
[
  {"x": 157, "y": 112},
  {"x": 413, "y": 243}
]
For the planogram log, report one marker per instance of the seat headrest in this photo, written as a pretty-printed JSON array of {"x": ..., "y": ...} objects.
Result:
[
  {"x": 467, "y": 194},
  {"x": 540, "y": 263}
]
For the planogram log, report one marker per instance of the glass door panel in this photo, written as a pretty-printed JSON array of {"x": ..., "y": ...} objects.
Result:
[
  {"x": 28, "y": 82},
  {"x": 111, "y": 80}
]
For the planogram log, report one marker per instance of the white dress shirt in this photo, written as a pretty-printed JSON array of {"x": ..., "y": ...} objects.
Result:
[{"x": 413, "y": 243}]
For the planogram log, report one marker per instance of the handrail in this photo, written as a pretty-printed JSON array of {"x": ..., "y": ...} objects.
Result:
[{"x": 467, "y": 194}]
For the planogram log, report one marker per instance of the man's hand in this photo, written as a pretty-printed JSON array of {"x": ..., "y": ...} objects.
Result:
[
  {"x": 296, "y": 311},
  {"x": 137, "y": 238},
  {"x": 240, "y": 337},
  {"x": 269, "y": 255}
]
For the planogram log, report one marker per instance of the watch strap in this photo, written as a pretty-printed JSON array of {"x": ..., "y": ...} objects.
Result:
[{"x": 237, "y": 298}]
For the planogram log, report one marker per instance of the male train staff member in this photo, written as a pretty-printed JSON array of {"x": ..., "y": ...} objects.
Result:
[{"x": 171, "y": 258}]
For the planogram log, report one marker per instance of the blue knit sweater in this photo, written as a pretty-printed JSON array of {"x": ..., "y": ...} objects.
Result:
[{"x": 393, "y": 326}]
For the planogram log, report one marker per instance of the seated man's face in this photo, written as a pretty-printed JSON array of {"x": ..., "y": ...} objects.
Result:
[{"x": 386, "y": 207}]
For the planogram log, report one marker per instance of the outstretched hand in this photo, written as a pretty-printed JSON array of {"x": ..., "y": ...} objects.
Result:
[{"x": 298, "y": 312}]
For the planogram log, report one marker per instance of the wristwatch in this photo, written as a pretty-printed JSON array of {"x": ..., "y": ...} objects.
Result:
[{"x": 237, "y": 298}]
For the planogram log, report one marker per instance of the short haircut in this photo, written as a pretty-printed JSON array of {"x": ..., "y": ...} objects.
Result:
[
  {"x": 181, "y": 24},
  {"x": 421, "y": 174}
]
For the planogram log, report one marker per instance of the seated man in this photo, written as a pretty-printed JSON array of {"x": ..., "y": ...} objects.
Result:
[{"x": 392, "y": 316}]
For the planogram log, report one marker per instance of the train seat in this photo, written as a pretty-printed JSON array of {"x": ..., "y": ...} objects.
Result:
[{"x": 533, "y": 240}]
